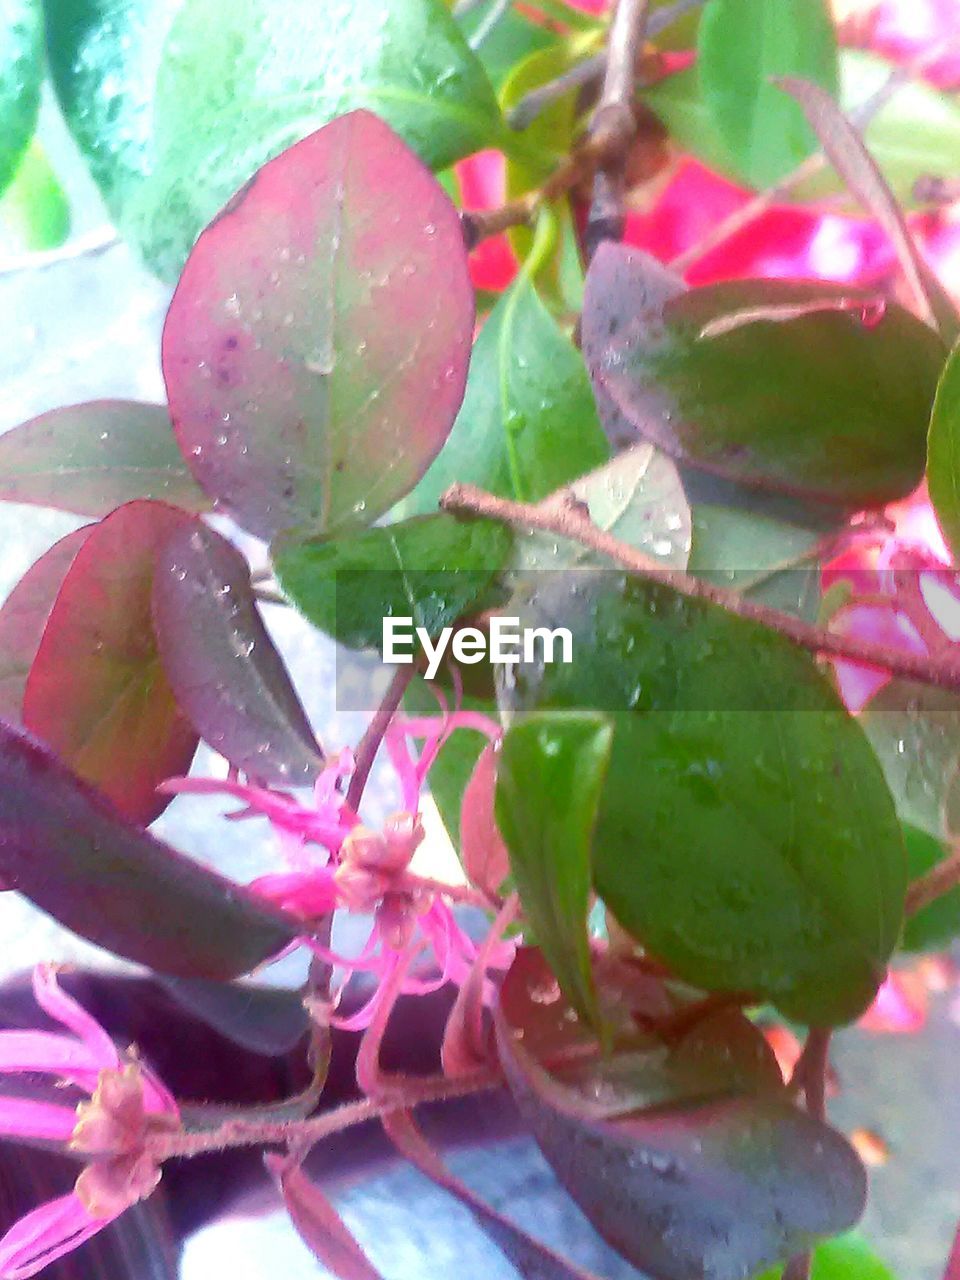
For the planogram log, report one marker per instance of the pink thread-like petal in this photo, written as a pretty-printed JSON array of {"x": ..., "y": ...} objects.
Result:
[
  {"x": 59, "y": 1005},
  {"x": 24, "y": 1118},
  {"x": 55, "y": 1055},
  {"x": 308, "y": 894},
  {"x": 45, "y": 1234},
  {"x": 404, "y": 767}
]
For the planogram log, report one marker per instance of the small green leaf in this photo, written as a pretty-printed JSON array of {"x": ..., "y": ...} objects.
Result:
[
  {"x": 238, "y": 83},
  {"x": 91, "y": 458},
  {"x": 21, "y": 72},
  {"x": 943, "y": 452},
  {"x": 549, "y": 780},
  {"x": 740, "y": 47},
  {"x": 512, "y": 39},
  {"x": 846, "y": 1258},
  {"x": 430, "y": 568},
  {"x": 528, "y": 423},
  {"x": 746, "y": 835},
  {"x": 34, "y": 211},
  {"x": 936, "y": 926}
]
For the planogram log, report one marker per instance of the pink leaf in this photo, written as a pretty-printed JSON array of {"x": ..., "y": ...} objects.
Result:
[
  {"x": 316, "y": 348},
  {"x": 320, "y": 1226},
  {"x": 485, "y": 858}
]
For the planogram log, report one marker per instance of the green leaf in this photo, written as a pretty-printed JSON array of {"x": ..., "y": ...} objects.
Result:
[
  {"x": 430, "y": 568},
  {"x": 774, "y": 384},
  {"x": 91, "y": 458},
  {"x": 21, "y": 72},
  {"x": 550, "y": 778},
  {"x": 846, "y": 1258},
  {"x": 238, "y": 83},
  {"x": 746, "y": 835},
  {"x": 936, "y": 926},
  {"x": 511, "y": 40},
  {"x": 34, "y": 211},
  {"x": 943, "y": 452},
  {"x": 528, "y": 423},
  {"x": 740, "y": 47},
  {"x": 915, "y": 133},
  {"x": 103, "y": 57}
]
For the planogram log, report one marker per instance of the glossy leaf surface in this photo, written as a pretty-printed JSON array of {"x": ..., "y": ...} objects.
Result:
[
  {"x": 96, "y": 692},
  {"x": 550, "y": 777},
  {"x": 223, "y": 667},
  {"x": 688, "y": 1158},
  {"x": 73, "y": 855},
  {"x": 430, "y": 568},
  {"x": 943, "y": 462},
  {"x": 822, "y": 400},
  {"x": 746, "y": 835},
  {"x": 91, "y": 458},
  {"x": 740, "y": 47},
  {"x": 23, "y": 617},
  {"x": 316, "y": 348},
  {"x": 237, "y": 83}
]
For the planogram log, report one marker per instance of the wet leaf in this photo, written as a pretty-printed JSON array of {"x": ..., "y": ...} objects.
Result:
[
  {"x": 784, "y": 406},
  {"x": 746, "y": 835},
  {"x": 847, "y": 153},
  {"x": 238, "y": 83},
  {"x": 91, "y": 458},
  {"x": 740, "y": 47},
  {"x": 223, "y": 667},
  {"x": 319, "y": 1225},
  {"x": 316, "y": 348},
  {"x": 943, "y": 460},
  {"x": 550, "y": 777},
  {"x": 96, "y": 693},
  {"x": 23, "y": 617},
  {"x": 429, "y": 568},
  {"x": 34, "y": 210},
  {"x": 21, "y": 72},
  {"x": 686, "y": 1155},
  {"x": 71, "y": 853},
  {"x": 528, "y": 422}
]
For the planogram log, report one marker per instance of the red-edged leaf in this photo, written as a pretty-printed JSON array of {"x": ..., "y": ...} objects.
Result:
[
  {"x": 70, "y": 852},
  {"x": 24, "y": 615},
  {"x": 682, "y": 1146},
  {"x": 318, "y": 1223},
  {"x": 482, "y": 850},
  {"x": 224, "y": 669},
  {"x": 92, "y": 458},
  {"x": 316, "y": 348},
  {"x": 533, "y": 1260},
  {"x": 96, "y": 692}
]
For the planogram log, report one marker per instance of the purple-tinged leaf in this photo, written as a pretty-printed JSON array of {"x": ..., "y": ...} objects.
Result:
[
  {"x": 319, "y": 1225},
  {"x": 92, "y": 458},
  {"x": 76, "y": 857},
  {"x": 847, "y": 153},
  {"x": 786, "y": 403},
  {"x": 24, "y": 615},
  {"x": 222, "y": 665},
  {"x": 96, "y": 692},
  {"x": 533, "y": 1260},
  {"x": 682, "y": 1147},
  {"x": 316, "y": 348}
]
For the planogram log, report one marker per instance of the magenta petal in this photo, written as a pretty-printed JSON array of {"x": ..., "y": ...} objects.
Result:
[
  {"x": 59, "y": 1005},
  {"x": 44, "y": 1235},
  {"x": 25, "y": 1118},
  {"x": 54, "y": 1055}
]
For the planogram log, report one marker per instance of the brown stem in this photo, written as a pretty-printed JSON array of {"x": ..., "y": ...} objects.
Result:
[
  {"x": 369, "y": 744},
  {"x": 810, "y": 1074},
  {"x": 937, "y": 881},
  {"x": 563, "y": 516}
]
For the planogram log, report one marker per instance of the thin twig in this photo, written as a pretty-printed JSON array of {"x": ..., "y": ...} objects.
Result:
[
  {"x": 861, "y": 116},
  {"x": 494, "y": 16},
  {"x": 934, "y": 884},
  {"x": 370, "y": 742},
  {"x": 88, "y": 246},
  {"x": 562, "y": 515},
  {"x": 810, "y": 1074}
]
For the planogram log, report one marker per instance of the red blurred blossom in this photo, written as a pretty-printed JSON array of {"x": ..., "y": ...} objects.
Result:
[
  {"x": 483, "y": 185},
  {"x": 902, "y": 29},
  {"x": 900, "y": 1007}
]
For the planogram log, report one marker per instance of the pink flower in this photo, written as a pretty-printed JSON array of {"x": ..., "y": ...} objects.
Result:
[
  {"x": 338, "y": 863},
  {"x": 127, "y": 1106}
]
